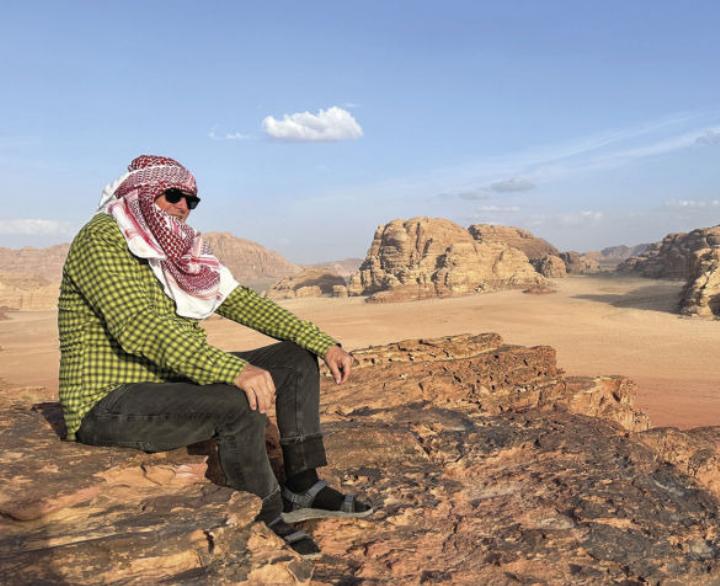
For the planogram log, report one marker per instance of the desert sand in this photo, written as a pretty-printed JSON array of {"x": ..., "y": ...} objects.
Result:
[{"x": 597, "y": 324}]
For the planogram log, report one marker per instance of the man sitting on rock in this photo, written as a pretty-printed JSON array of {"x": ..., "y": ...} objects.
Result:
[{"x": 136, "y": 369}]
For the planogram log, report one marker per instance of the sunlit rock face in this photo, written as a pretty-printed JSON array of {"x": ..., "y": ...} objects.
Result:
[
  {"x": 434, "y": 257},
  {"x": 486, "y": 464},
  {"x": 309, "y": 283},
  {"x": 693, "y": 257},
  {"x": 577, "y": 263}
]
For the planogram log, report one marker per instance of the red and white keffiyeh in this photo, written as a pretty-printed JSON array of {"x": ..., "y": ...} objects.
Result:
[{"x": 189, "y": 273}]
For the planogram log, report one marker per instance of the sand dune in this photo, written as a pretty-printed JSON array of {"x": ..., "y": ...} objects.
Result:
[{"x": 598, "y": 325}]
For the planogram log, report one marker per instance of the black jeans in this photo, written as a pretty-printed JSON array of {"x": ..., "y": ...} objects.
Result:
[{"x": 164, "y": 416}]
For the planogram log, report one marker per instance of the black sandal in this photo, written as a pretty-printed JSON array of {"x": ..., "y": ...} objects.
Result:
[
  {"x": 297, "y": 539},
  {"x": 298, "y": 507}
]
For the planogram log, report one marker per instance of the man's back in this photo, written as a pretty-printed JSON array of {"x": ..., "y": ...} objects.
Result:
[{"x": 92, "y": 361}]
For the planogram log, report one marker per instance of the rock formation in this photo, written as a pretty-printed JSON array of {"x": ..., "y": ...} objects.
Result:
[
  {"x": 551, "y": 266},
  {"x": 486, "y": 465},
  {"x": 30, "y": 277},
  {"x": 534, "y": 248},
  {"x": 609, "y": 258},
  {"x": 25, "y": 291},
  {"x": 693, "y": 257},
  {"x": 46, "y": 262},
  {"x": 429, "y": 257},
  {"x": 344, "y": 267},
  {"x": 308, "y": 283},
  {"x": 251, "y": 263},
  {"x": 577, "y": 263}
]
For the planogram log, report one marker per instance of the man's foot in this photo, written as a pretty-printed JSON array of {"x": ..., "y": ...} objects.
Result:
[
  {"x": 298, "y": 540},
  {"x": 320, "y": 501}
]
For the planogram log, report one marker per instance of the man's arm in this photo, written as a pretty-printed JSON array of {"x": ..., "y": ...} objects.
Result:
[
  {"x": 246, "y": 307},
  {"x": 108, "y": 276}
]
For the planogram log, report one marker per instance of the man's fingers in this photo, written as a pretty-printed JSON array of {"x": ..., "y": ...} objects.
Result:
[
  {"x": 332, "y": 365},
  {"x": 250, "y": 394},
  {"x": 347, "y": 367},
  {"x": 270, "y": 384}
]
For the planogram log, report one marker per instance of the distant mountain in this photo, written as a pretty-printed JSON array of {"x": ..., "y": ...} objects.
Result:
[
  {"x": 251, "y": 263},
  {"x": 46, "y": 262},
  {"x": 30, "y": 277}
]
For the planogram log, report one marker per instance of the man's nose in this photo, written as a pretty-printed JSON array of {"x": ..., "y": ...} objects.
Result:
[{"x": 182, "y": 204}]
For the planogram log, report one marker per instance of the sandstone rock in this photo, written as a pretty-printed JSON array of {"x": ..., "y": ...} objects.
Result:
[
  {"x": 540, "y": 290},
  {"x": 428, "y": 257},
  {"x": 551, "y": 266},
  {"x": 695, "y": 452},
  {"x": 27, "y": 291},
  {"x": 693, "y": 257},
  {"x": 44, "y": 262},
  {"x": 308, "y": 283},
  {"x": 78, "y": 514},
  {"x": 607, "y": 397},
  {"x": 344, "y": 267},
  {"x": 534, "y": 248},
  {"x": 580, "y": 264},
  {"x": 485, "y": 463},
  {"x": 521, "y": 490},
  {"x": 339, "y": 291},
  {"x": 609, "y": 258}
]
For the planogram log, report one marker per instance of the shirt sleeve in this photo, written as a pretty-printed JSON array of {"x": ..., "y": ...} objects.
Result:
[
  {"x": 248, "y": 308},
  {"x": 109, "y": 277}
]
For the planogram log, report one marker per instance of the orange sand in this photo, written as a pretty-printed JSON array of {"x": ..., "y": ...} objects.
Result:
[{"x": 597, "y": 324}]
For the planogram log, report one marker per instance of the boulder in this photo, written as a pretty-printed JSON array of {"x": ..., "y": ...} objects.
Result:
[
  {"x": 580, "y": 264},
  {"x": 307, "y": 283},
  {"x": 434, "y": 257},
  {"x": 551, "y": 266}
]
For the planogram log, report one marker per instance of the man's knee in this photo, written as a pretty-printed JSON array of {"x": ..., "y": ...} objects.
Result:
[{"x": 298, "y": 358}]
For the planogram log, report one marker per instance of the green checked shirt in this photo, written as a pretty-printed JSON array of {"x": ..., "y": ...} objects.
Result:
[{"x": 117, "y": 325}]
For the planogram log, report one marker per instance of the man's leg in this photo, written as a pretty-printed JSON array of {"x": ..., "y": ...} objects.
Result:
[
  {"x": 297, "y": 404},
  {"x": 297, "y": 382},
  {"x": 164, "y": 416}
]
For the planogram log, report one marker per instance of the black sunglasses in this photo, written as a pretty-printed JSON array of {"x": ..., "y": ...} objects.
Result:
[{"x": 174, "y": 196}]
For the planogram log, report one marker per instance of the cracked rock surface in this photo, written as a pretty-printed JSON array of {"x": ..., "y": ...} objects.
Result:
[{"x": 486, "y": 465}]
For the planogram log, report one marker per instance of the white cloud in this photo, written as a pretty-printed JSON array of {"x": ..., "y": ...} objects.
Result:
[
  {"x": 500, "y": 209},
  {"x": 214, "y": 135},
  {"x": 333, "y": 124},
  {"x": 568, "y": 219},
  {"x": 692, "y": 204},
  {"x": 511, "y": 185},
  {"x": 711, "y": 136},
  {"x": 35, "y": 227}
]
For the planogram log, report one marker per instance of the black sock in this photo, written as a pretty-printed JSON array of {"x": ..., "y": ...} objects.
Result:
[
  {"x": 271, "y": 509},
  {"x": 328, "y": 498}
]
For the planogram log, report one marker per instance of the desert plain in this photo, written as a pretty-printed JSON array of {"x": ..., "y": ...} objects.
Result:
[{"x": 598, "y": 324}]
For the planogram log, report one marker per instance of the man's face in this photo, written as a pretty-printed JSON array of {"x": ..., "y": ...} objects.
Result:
[{"x": 178, "y": 210}]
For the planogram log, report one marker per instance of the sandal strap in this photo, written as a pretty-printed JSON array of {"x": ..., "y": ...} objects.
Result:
[
  {"x": 295, "y": 537},
  {"x": 348, "y": 505},
  {"x": 305, "y": 499}
]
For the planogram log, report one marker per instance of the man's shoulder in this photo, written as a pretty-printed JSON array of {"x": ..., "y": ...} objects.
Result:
[
  {"x": 101, "y": 230},
  {"x": 101, "y": 226}
]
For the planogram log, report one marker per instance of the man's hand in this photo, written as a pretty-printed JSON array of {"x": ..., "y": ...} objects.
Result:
[
  {"x": 339, "y": 362},
  {"x": 258, "y": 386}
]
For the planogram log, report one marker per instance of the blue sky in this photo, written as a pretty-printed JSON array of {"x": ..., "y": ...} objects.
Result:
[{"x": 309, "y": 124}]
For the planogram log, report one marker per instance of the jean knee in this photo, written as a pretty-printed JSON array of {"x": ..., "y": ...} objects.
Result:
[{"x": 300, "y": 359}]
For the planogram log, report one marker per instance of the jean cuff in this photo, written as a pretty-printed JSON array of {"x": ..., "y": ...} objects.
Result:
[{"x": 300, "y": 454}]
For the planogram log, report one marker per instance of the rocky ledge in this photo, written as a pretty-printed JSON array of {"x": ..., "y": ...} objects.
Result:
[{"x": 487, "y": 465}]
